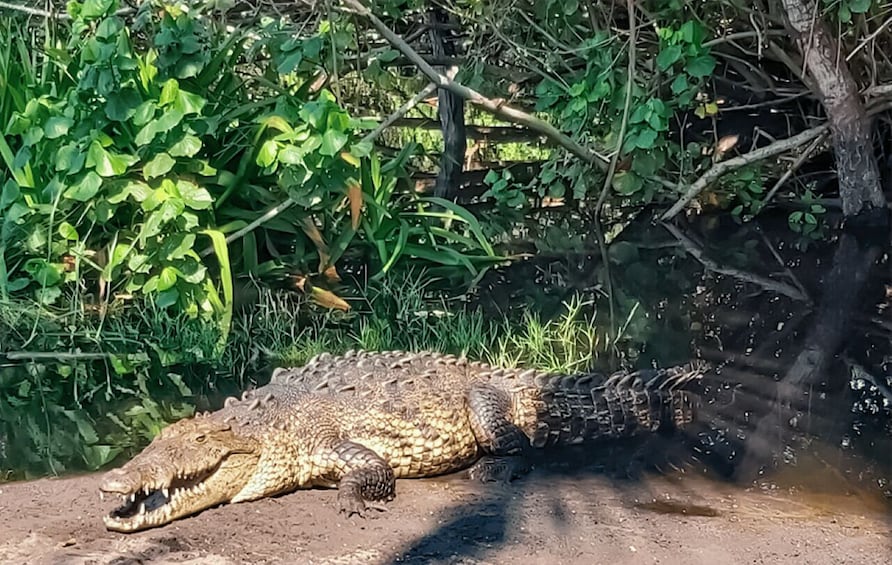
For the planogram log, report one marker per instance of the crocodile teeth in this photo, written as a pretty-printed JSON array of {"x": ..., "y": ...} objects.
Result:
[
  {"x": 101, "y": 496},
  {"x": 142, "y": 508},
  {"x": 133, "y": 497},
  {"x": 165, "y": 492}
]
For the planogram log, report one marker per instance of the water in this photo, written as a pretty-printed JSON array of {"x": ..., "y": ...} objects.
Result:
[{"x": 801, "y": 403}]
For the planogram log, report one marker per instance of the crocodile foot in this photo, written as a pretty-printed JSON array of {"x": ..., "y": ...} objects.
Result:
[
  {"x": 350, "y": 503},
  {"x": 499, "y": 469}
]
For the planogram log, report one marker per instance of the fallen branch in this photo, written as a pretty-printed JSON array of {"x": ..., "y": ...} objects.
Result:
[
  {"x": 723, "y": 167},
  {"x": 371, "y": 136},
  {"x": 495, "y": 107}
]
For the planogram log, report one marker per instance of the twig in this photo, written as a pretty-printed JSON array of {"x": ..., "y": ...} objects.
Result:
[
  {"x": 371, "y": 136},
  {"x": 53, "y": 355},
  {"x": 869, "y": 38},
  {"x": 630, "y": 80},
  {"x": 52, "y": 15},
  {"x": 723, "y": 167},
  {"x": 794, "y": 167},
  {"x": 611, "y": 171},
  {"x": 743, "y": 35},
  {"x": 697, "y": 253},
  {"x": 492, "y": 106}
]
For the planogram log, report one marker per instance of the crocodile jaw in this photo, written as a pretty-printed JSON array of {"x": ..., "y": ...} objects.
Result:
[{"x": 176, "y": 476}]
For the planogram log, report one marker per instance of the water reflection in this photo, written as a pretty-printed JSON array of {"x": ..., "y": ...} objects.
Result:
[{"x": 800, "y": 329}]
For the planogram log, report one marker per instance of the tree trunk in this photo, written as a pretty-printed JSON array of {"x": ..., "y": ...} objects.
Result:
[
  {"x": 451, "y": 110},
  {"x": 859, "y": 179}
]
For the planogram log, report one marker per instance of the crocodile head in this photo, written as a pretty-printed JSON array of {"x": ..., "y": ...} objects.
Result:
[{"x": 191, "y": 465}]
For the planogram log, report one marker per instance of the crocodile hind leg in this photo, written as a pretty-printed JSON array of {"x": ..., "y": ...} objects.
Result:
[
  {"x": 503, "y": 442},
  {"x": 362, "y": 476}
]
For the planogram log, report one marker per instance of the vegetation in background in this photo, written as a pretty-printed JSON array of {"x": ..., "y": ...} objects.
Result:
[
  {"x": 154, "y": 164},
  {"x": 126, "y": 170}
]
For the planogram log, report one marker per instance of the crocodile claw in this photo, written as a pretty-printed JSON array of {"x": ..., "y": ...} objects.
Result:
[{"x": 350, "y": 504}]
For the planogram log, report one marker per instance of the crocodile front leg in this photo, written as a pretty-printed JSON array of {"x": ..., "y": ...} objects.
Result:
[
  {"x": 361, "y": 475},
  {"x": 489, "y": 413}
]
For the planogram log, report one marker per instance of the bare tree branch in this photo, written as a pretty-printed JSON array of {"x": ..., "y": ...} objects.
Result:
[{"x": 723, "y": 167}]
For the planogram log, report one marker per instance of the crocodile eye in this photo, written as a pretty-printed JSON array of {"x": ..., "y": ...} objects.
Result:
[{"x": 200, "y": 438}]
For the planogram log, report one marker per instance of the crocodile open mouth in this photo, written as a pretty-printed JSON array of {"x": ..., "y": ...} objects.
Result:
[{"x": 154, "y": 504}]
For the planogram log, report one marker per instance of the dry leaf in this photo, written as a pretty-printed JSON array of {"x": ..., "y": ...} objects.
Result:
[
  {"x": 328, "y": 299},
  {"x": 331, "y": 274},
  {"x": 724, "y": 145},
  {"x": 316, "y": 237},
  {"x": 354, "y": 194}
]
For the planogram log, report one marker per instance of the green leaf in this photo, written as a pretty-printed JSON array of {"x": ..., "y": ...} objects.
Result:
[
  {"x": 159, "y": 166},
  {"x": 668, "y": 57},
  {"x": 679, "y": 85},
  {"x": 177, "y": 245},
  {"x": 68, "y": 231},
  {"x": 267, "y": 154},
  {"x": 640, "y": 114},
  {"x": 332, "y": 142},
  {"x": 166, "y": 122},
  {"x": 362, "y": 148},
  {"x": 186, "y": 147},
  {"x": 167, "y": 298},
  {"x": 169, "y": 92},
  {"x": 167, "y": 278},
  {"x": 56, "y": 127},
  {"x": 122, "y": 104},
  {"x": 42, "y": 272},
  {"x": 69, "y": 159},
  {"x": 858, "y": 6},
  {"x": 701, "y": 66},
  {"x": 189, "y": 103},
  {"x": 86, "y": 189},
  {"x": 95, "y": 8},
  {"x": 10, "y": 193},
  {"x": 627, "y": 183},
  {"x": 194, "y": 196},
  {"x": 108, "y": 164},
  {"x": 796, "y": 217},
  {"x": 291, "y": 155},
  {"x": 144, "y": 113},
  {"x": 646, "y": 138},
  {"x": 645, "y": 164}
]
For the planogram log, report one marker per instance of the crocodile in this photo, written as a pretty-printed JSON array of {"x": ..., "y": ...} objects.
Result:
[{"x": 359, "y": 421}]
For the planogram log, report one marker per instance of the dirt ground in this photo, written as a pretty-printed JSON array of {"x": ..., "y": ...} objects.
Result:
[{"x": 546, "y": 517}]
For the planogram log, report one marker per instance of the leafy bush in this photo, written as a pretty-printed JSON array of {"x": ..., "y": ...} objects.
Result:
[{"x": 160, "y": 139}]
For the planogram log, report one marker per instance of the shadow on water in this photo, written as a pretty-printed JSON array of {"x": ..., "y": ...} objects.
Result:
[{"x": 800, "y": 407}]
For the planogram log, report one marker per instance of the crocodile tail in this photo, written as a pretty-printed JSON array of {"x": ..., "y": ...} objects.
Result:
[
  {"x": 649, "y": 400},
  {"x": 576, "y": 408}
]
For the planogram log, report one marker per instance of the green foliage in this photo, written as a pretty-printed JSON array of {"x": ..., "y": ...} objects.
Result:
[
  {"x": 591, "y": 103},
  {"x": 502, "y": 191},
  {"x": 808, "y": 221},
  {"x": 845, "y": 9},
  {"x": 747, "y": 188},
  {"x": 126, "y": 172}
]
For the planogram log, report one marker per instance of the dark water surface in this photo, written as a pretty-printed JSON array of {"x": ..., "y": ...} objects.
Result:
[{"x": 800, "y": 329}]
